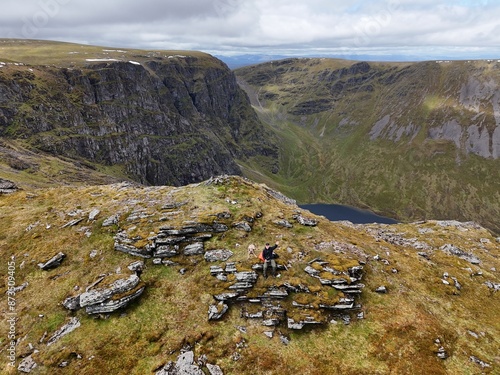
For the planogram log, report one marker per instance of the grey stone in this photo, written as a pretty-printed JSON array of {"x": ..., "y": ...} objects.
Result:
[
  {"x": 120, "y": 286},
  {"x": 72, "y": 303},
  {"x": 135, "y": 266},
  {"x": 226, "y": 296},
  {"x": 144, "y": 252},
  {"x": 214, "y": 369},
  {"x": 241, "y": 285},
  {"x": 283, "y": 223},
  {"x": 312, "y": 271},
  {"x": 73, "y": 324},
  {"x": 242, "y": 225},
  {"x": 231, "y": 267},
  {"x": 53, "y": 262},
  {"x": 306, "y": 221},
  {"x": 112, "y": 220},
  {"x": 480, "y": 362},
  {"x": 27, "y": 364},
  {"x": 93, "y": 214},
  {"x": 196, "y": 248},
  {"x": 291, "y": 324},
  {"x": 249, "y": 276},
  {"x": 220, "y": 255},
  {"x": 453, "y": 250},
  {"x": 7, "y": 187},
  {"x": 113, "y": 305},
  {"x": 72, "y": 223},
  {"x": 214, "y": 270},
  {"x": 166, "y": 251},
  {"x": 184, "y": 366},
  {"x": 215, "y": 312}
]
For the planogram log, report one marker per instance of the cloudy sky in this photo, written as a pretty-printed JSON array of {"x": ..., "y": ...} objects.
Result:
[{"x": 410, "y": 29}]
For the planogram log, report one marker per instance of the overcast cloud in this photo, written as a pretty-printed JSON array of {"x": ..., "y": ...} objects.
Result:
[{"x": 412, "y": 28}]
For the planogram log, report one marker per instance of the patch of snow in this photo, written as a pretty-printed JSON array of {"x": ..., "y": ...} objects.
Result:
[
  {"x": 97, "y": 60},
  {"x": 114, "y": 50},
  {"x": 135, "y": 62},
  {"x": 174, "y": 56}
]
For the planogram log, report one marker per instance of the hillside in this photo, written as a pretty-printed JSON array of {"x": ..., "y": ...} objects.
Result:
[
  {"x": 419, "y": 298},
  {"x": 157, "y": 117},
  {"x": 410, "y": 140}
]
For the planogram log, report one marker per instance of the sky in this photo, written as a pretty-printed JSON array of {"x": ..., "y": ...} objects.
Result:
[{"x": 378, "y": 29}]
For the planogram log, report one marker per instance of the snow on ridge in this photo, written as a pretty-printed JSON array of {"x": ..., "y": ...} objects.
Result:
[
  {"x": 135, "y": 62},
  {"x": 100, "y": 60}
]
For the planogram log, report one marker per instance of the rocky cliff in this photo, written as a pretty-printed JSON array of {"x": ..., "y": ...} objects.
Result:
[
  {"x": 395, "y": 137},
  {"x": 163, "y": 118}
]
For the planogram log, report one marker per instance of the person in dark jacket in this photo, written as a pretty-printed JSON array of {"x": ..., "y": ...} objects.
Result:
[{"x": 269, "y": 257}]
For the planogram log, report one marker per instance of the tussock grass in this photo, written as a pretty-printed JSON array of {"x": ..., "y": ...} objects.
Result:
[{"x": 397, "y": 335}]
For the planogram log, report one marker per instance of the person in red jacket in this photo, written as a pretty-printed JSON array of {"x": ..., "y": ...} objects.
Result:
[{"x": 269, "y": 257}]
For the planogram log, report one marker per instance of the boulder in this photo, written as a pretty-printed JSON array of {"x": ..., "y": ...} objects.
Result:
[
  {"x": 249, "y": 277},
  {"x": 72, "y": 303},
  {"x": 242, "y": 225},
  {"x": 184, "y": 366},
  {"x": 226, "y": 296},
  {"x": 27, "y": 364},
  {"x": 136, "y": 266},
  {"x": 215, "y": 312},
  {"x": 214, "y": 369},
  {"x": 93, "y": 214},
  {"x": 113, "y": 305},
  {"x": 283, "y": 223},
  {"x": 166, "y": 251},
  {"x": 144, "y": 252},
  {"x": 112, "y": 220},
  {"x": 220, "y": 255},
  {"x": 196, "y": 248},
  {"x": 108, "y": 299},
  {"x": 53, "y": 262},
  {"x": 381, "y": 289},
  {"x": 7, "y": 186},
  {"x": 306, "y": 221}
]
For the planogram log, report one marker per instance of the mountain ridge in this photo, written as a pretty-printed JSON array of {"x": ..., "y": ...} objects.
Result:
[{"x": 394, "y": 137}]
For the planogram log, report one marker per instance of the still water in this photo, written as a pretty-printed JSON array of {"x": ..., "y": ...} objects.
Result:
[{"x": 336, "y": 212}]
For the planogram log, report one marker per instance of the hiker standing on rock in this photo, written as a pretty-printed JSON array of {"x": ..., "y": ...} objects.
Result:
[{"x": 269, "y": 256}]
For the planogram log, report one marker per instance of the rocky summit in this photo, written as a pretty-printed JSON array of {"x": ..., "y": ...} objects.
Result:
[{"x": 129, "y": 279}]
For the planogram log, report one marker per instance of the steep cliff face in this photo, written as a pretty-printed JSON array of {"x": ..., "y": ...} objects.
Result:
[{"x": 165, "y": 119}]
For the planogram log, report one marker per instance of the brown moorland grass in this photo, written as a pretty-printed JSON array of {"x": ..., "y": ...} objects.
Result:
[{"x": 397, "y": 335}]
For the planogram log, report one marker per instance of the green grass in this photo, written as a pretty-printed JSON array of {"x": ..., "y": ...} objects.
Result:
[
  {"x": 328, "y": 156},
  {"x": 397, "y": 334}
]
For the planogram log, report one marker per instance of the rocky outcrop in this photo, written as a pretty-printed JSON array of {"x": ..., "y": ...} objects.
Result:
[
  {"x": 7, "y": 187},
  {"x": 304, "y": 309},
  {"x": 185, "y": 365},
  {"x": 166, "y": 120},
  {"x": 53, "y": 262},
  {"x": 107, "y": 299}
]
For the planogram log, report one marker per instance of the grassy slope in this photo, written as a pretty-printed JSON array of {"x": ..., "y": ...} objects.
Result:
[
  {"x": 61, "y": 54},
  {"x": 397, "y": 335},
  {"x": 328, "y": 157}
]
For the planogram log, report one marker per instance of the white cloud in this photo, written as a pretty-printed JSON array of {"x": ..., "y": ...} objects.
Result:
[{"x": 268, "y": 25}]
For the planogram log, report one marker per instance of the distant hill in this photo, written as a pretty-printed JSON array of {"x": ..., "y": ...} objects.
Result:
[
  {"x": 158, "y": 117},
  {"x": 411, "y": 140}
]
